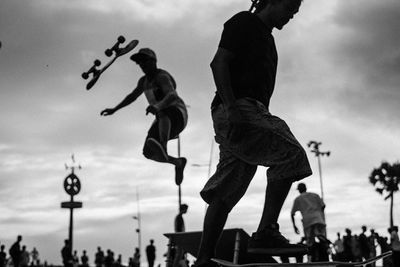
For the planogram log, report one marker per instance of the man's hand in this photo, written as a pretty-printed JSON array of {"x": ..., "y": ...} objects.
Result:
[
  {"x": 107, "y": 112},
  {"x": 296, "y": 230},
  {"x": 151, "y": 109},
  {"x": 236, "y": 131}
]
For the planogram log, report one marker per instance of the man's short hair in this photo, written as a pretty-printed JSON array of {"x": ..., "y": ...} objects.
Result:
[
  {"x": 301, "y": 187},
  {"x": 259, "y": 5},
  {"x": 183, "y": 207}
]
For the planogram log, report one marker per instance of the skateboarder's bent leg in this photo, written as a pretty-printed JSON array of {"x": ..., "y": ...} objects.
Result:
[{"x": 155, "y": 147}]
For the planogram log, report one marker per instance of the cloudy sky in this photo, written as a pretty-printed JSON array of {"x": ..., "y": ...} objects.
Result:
[{"x": 337, "y": 83}]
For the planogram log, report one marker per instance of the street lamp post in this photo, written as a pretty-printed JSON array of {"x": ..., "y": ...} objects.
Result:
[
  {"x": 72, "y": 186},
  {"x": 138, "y": 218},
  {"x": 315, "y": 149}
]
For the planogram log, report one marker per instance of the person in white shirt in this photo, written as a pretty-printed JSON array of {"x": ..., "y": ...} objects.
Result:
[{"x": 311, "y": 207}]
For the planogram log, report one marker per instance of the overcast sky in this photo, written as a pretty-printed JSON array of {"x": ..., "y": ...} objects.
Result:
[{"x": 338, "y": 83}]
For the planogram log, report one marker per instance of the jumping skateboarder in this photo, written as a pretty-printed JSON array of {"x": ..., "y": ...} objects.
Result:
[
  {"x": 159, "y": 88},
  {"x": 244, "y": 69}
]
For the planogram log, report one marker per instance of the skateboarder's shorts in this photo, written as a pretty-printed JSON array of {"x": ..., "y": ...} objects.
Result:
[
  {"x": 178, "y": 118},
  {"x": 314, "y": 230},
  {"x": 267, "y": 141}
]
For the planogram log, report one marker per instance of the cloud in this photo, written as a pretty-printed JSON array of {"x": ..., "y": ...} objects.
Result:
[{"x": 367, "y": 53}]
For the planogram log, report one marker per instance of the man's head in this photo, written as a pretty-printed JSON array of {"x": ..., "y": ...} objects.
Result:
[
  {"x": 146, "y": 59},
  {"x": 301, "y": 187},
  {"x": 364, "y": 228},
  {"x": 151, "y": 241},
  {"x": 19, "y": 238},
  {"x": 183, "y": 208},
  {"x": 279, "y": 12}
]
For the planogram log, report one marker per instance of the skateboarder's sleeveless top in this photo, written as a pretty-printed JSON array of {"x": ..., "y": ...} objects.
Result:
[{"x": 155, "y": 94}]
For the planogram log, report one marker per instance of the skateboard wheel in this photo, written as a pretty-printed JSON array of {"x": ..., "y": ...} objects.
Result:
[
  {"x": 85, "y": 75},
  {"x": 97, "y": 62},
  {"x": 121, "y": 39},
  {"x": 108, "y": 52}
]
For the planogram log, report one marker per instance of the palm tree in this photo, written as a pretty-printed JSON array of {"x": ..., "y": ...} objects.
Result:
[{"x": 386, "y": 178}]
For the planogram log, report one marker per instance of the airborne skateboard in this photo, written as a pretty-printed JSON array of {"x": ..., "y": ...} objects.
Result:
[
  {"x": 224, "y": 263},
  {"x": 117, "y": 51}
]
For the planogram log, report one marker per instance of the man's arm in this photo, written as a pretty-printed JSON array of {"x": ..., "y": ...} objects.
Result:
[
  {"x": 168, "y": 89},
  {"x": 125, "y": 102},
  {"x": 296, "y": 230},
  {"x": 292, "y": 214},
  {"x": 222, "y": 78}
]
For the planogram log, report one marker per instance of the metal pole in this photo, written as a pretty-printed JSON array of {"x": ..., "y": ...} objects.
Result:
[
  {"x": 71, "y": 227},
  {"x": 320, "y": 177},
  {"x": 139, "y": 222},
  {"x": 179, "y": 186}
]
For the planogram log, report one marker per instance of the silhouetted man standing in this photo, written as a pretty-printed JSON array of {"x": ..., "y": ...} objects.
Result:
[
  {"x": 311, "y": 207},
  {"x": 15, "y": 252},
  {"x": 99, "y": 257},
  {"x": 3, "y": 256},
  {"x": 66, "y": 254},
  {"x": 151, "y": 253},
  {"x": 364, "y": 244},
  {"x": 244, "y": 70}
]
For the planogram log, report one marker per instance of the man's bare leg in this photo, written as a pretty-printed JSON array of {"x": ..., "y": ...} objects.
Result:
[
  {"x": 275, "y": 196},
  {"x": 214, "y": 222},
  {"x": 268, "y": 240},
  {"x": 159, "y": 148}
]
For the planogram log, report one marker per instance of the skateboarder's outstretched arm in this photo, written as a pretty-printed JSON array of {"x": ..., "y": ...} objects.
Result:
[{"x": 127, "y": 100}]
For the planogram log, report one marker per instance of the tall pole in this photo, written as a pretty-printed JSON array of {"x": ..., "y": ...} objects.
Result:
[
  {"x": 138, "y": 218},
  {"x": 320, "y": 177},
  {"x": 179, "y": 186},
  {"x": 71, "y": 227},
  {"x": 72, "y": 186},
  {"x": 315, "y": 149}
]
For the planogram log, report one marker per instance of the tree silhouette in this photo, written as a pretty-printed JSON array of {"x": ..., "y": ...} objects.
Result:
[{"x": 386, "y": 178}]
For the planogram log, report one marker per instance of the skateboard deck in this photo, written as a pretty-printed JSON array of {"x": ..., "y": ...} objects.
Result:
[
  {"x": 117, "y": 51},
  {"x": 224, "y": 263}
]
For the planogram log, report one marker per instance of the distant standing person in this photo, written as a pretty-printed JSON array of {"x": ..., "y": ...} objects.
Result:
[
  {"x": 179, "y": 222},
  {"x": 311, "y": 207},
  {"x": 180, "y": 228},
  {"x": 348, "y": 245},
  {"x": 25, "y": 257},
  {"x": 364, "y": 244},
  {"x": 395, "y": 245},
  {"x": 169, "y": 109},
  {"x": 339, "y": 248},
  {"x": 85, "y": 259},
  {"x": 15, "y": 251},
  {"x": 3, "y": 256},
  {"x": 66, "y": 254},
  {"x": 372, "y": 245},
  {"x": 99, "y": 257},
  {"x": 35, "y": 257},
  {"x": 136, "y": 258},
  {"x": 151, "y": 253},
  {"x": 244, "y": 70}
]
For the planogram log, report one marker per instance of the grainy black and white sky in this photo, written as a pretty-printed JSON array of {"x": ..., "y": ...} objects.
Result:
[{"x": 338, "y": 83}]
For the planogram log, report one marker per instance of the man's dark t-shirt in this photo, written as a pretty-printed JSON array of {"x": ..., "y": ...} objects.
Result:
[{"x": 253, "y": 68}]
